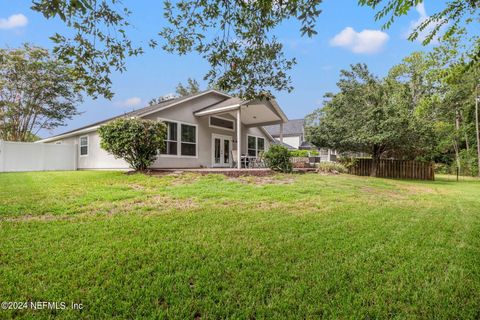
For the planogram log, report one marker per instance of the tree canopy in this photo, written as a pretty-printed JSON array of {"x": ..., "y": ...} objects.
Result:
[
  {"x": 451, "y": 21},
  {"x": 423, "y": 109},
  {"x": 245, "y": 57},
  {"x": 236, "y": 37},
  {"x": 37, "y": 92}
]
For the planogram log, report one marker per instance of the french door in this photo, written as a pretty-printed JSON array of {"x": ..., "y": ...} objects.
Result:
[{"x": 221, "y": 151}]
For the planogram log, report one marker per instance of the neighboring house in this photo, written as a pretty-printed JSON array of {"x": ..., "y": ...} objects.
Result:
[
  {"x": 204, "y": 130},
  {"x": 292, "y": 135}
]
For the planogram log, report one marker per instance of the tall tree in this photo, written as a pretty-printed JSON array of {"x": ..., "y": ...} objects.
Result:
[
  {"x": 368, "y": 115},
  {"x": 191, "y": 87},
  {"x": 236, "y": 37},
  {"x": 37, "y": 92}
]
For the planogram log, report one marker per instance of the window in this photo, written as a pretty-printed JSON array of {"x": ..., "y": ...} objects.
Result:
[
  {"x": 84, "y": 146},
  {"x": 171, "y": 140},
  {"x": 189, "y": 140},
  {"x": 222, "y": 123},
  {"x": 180, "y": 139},
  {"x": 255, "y": 145}
]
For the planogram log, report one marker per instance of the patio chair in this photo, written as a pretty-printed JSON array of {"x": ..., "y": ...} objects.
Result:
[{"x": 259, "y": 161}]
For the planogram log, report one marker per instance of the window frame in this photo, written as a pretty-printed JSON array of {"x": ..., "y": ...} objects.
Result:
[
  {"x": 256, "y": 144},
  {"x": 179, "y": 139},
  {"x": 221, "y": 128},
  {"x": 167, "y": 140},
  {"x": 80, "y": 146}
]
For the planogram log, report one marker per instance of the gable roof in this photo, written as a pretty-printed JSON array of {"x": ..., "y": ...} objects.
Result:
[
  {"x": 292, "y": 127},
  {"x": 283, "y": 144},
  {"x": 136, "y": 113}
]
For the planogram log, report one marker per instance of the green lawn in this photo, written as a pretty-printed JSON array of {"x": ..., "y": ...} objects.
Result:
[{"x": 291, "y": 246}]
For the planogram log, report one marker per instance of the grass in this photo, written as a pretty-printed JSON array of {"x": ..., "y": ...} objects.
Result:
[{"x": 287, "y": 246}]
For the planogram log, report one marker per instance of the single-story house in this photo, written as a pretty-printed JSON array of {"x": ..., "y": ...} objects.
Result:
[
  {"x": 292, "y": 135},
  {"x": 205, "y": 129}
]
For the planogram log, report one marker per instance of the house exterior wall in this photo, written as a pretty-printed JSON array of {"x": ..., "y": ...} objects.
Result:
[
  {"x": 293, "y": 141},
  {"x": 98, "y": 158}
]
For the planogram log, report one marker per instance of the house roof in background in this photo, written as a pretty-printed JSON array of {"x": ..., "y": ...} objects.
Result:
[
  {"x": 292, "y": 127},
  {"x": 283, "y": 144}
]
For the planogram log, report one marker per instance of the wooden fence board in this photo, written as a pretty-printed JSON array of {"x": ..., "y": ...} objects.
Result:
[{"x": 397, "y": 169}]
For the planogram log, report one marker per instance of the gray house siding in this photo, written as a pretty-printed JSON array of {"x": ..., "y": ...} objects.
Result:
[{"x": 97, "y": 158}]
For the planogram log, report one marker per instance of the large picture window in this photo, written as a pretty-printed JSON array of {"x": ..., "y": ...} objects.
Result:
[
  {"x": 180, "y": 139},
  {"x": 84, "y": 146},
  {"x": 255, "y": 145}
]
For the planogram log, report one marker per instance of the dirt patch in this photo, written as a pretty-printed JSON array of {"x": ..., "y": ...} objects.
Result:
[
  {"x": 260, "y": 181},
  {"x": 414, "y": 189},
  {"x": 43, "y": 217},
  {"x": 153, "y": 204},
  {"x": 372, "y": 191},
  {"x": 137, "y": 187}
]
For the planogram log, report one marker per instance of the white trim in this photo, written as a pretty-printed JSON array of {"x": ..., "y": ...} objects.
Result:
[
  {"x": 267, "y": 134},
  {"x": 80, "y": 146},
  {"x": 179, "y": 141},
  {"x": 218, "y": 110},
  {"x": 222, "y": 138},
  {"x": 221, "y": 128}
]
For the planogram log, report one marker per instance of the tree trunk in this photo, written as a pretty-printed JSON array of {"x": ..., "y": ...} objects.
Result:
[
  {"x": 477, "y": 97},
  {"x": 375, "y": 159},
  {"x": 455, "y": 140}
]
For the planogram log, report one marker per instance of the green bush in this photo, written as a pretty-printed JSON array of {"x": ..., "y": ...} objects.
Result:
[
  {"x": 468, "y": 164},
  {"x": 134, "y": 140},
  {"x": 303, "y": 153},
  {"x": 278, "y": 158},
  {"x": 331, "y": 167}
]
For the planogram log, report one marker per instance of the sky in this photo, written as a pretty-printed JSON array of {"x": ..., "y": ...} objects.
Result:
[{"x": 347, "y": 34}]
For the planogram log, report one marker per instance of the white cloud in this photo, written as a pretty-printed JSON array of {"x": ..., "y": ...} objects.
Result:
[
  {"x": 14, "y": 21},
  {"x": 366, "y": 41},
  {"x": 422, "y": 17},
  {"x": 130, "y": 102}
]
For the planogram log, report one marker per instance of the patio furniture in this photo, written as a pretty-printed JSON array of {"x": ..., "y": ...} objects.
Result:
[
  {"x": 258, "y": 161},
  {"x": 245, "y": 161}
]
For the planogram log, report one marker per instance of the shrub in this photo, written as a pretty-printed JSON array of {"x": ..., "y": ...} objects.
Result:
[
  {"x": 134, "y": 140},
  {"x": 303, "y": 153},
  {"x": 278, "y": 158},
  {"x": 348, "y": 162},
  {"x": 331, "y": 168}
]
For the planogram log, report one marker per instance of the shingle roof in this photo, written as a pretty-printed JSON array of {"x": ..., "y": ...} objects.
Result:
[
  {"x": 292, "y": 127},
  {"x": 140, "y": 112}
]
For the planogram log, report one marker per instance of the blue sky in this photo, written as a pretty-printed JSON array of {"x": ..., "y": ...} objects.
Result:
[{"x": 347, "y": 34}]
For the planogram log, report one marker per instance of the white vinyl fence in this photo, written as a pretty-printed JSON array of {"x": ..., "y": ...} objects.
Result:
[{"x": 27, "y": 156}]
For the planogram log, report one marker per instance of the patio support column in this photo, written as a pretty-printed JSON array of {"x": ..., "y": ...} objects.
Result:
[
  {"x": 281, "y": 132},
  {"x": 239, "y": 138}
]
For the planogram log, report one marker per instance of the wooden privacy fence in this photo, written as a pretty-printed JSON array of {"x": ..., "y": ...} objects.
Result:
[{"x": 397, "y": 169}]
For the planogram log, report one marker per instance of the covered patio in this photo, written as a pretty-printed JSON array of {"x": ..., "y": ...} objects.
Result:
[{"x": 252, "y": 113}]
